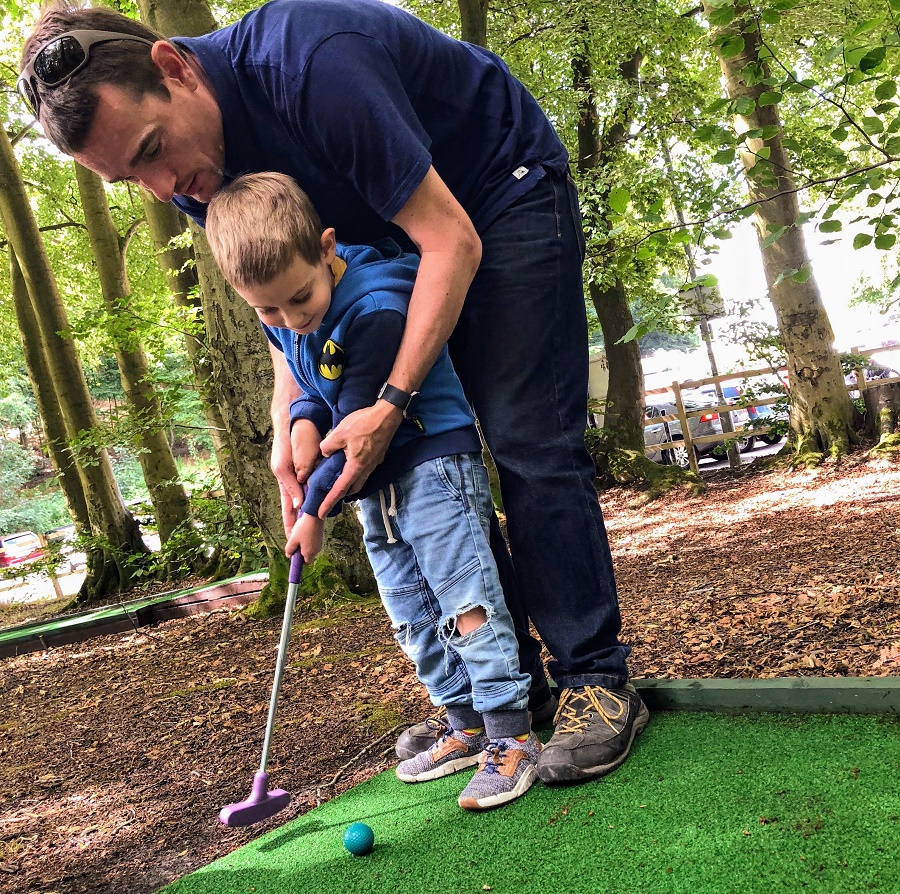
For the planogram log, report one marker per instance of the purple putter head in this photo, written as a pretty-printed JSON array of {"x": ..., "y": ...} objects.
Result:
[{"x": 258, "y": 807}]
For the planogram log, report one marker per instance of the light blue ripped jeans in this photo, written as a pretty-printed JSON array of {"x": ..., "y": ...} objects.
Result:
[{"x": 427, "y": 540}]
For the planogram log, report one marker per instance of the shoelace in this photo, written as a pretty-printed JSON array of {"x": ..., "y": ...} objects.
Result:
[
  {"x": 573, "y": 715},
  {"x": 495, "y": 752}
]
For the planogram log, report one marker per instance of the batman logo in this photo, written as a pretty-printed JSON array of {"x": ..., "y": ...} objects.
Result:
[{"x": 331, "y": 363}]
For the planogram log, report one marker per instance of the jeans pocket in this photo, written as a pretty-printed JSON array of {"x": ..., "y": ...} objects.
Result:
[{"x": 452, "y": 474}]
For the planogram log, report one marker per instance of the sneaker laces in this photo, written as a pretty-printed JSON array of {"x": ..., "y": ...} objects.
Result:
[
  {"x": 573, "y": 713},
  {"x": 494, "y": 754}
]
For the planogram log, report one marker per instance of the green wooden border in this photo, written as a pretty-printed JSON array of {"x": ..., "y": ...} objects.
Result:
[{"x": 816, "y": 695}]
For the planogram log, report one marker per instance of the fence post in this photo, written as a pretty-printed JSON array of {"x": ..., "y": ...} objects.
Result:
[{"x": 685, "y": 428}]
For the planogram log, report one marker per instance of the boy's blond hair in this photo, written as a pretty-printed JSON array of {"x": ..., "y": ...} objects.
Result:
[{"x": 257, "y": 225}]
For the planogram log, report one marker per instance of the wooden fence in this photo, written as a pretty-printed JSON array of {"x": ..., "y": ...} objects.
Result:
[{"x": 683, "y": 415}]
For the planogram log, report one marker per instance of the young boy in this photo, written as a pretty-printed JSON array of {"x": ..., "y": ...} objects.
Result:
[{"x": 338, "y": 312}]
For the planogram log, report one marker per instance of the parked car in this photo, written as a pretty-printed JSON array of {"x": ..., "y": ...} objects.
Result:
[
  {"x": 700, "y": 425},
  {"x": 20, "y": 547},
  {"x": 761, "y": 415}
]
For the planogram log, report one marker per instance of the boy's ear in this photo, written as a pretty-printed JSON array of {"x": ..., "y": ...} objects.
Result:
[{"x": 329, "y": 245}]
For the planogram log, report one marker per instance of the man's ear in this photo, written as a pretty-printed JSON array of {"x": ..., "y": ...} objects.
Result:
[
  {"x": 171, "y": 63},
  {"x": 329, "y": 245}
]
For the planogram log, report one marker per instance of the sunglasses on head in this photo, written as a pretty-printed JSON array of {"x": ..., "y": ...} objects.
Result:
[{"x": 58, "y": 59}]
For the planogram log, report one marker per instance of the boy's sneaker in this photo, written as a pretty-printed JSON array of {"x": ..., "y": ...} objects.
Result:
[
  {"x": 453, "y": 751},
  {"x": 507, "y": 770},
  {"x": 422, "y": 736},
  {"x": 594, "y": 731}
]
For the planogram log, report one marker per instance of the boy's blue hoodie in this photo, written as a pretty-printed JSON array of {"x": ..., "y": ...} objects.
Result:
[{"x": 342, "y": 365}]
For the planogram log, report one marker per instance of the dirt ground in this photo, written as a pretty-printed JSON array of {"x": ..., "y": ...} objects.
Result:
[{"x": 117, "y": 753}]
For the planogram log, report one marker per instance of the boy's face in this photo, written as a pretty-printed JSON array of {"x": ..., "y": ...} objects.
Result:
[{"x": 299, "y": 297}]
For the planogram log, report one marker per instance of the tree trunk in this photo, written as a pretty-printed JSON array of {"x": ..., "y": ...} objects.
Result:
[
  {"x": 179, "y": 265},
  {"x": 108, "y": 571},
  {"x": 882, "y": 408},
  {"x": 170, "y": 502},
  {"x": 49, "y": 410},
  {"x": 473, "y": 18},
  {"x": 821, "y": 412},
  {"x": 623, "y": 415}
]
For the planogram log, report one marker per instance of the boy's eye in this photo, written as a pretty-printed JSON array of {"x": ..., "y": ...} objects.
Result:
[
  {"x": 150, "y": 154},
  {"x": 299, "y": 299}
]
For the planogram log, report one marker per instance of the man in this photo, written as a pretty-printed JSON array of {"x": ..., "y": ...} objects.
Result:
[{"x": 392, "y": 128}]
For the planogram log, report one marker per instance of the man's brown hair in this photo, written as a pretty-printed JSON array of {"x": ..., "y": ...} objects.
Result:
[
  {"x": 67, "y": 111},
  {"x": 257, "y": 226}
]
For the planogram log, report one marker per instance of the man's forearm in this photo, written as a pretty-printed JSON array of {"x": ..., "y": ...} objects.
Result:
[{"x": 284, "y": 393}]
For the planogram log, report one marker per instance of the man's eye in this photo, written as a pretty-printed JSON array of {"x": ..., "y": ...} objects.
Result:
[{"x": 150, "y": 154}]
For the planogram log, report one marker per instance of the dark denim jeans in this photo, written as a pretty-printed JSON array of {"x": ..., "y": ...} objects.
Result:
[{"x": 520, "y": 349}]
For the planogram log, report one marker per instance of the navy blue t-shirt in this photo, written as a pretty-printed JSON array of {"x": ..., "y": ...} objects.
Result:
[{"x": 355, "y": 99}]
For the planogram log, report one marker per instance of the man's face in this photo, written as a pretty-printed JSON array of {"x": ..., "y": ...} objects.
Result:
[
  {"x": 169, "y": 148},
  {"x": 299, "y": 297}
]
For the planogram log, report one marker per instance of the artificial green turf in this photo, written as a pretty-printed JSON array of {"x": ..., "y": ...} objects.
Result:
[{"x": 706, "y": 804}]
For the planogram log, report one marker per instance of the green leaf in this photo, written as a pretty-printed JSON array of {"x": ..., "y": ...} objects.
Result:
[
  {"x": 872, "y": 125},
  {"x": 839, "y": 134},
  {"x": 706, "y": 132},
  {"x": 680, "y": 237},
  {"x": 773, "y": 237},
  {"x": 764, "y": 152},
  {"x": 803, "y": 274},
  {"x": 885, "y": 90},
  {"x": 785, "y": 274},
  {"x": 769, "y": 98},
  {"x": 618, "y": 199},
  {"x": 873, "y": 199},
  {"x": 834, "y": 52},
  {"x": 830, "y": 226},
  {"x": 732, "y": 46},
  {"x": 639, "y": 330},
  {"x": 861, "y": 240},
  {"x": 770, "y": 131},
  {"x": 885, "y": 242},
  {"x": 892, "y": 146},
  {"x": 771, "y": 16},
  {"x": 643, "y": 253},
  {"x": 721, "y": 16},
  {"x": 884, "y": 107},
  {"x": 724, "y": 157},
  {"x": 791, "y": 143},
  {"x": 872, "y": 59},
  {"x": 744, "y": 105}
]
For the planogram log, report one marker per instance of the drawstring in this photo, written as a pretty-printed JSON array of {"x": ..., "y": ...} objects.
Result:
[{"x": 387, "y": 512}]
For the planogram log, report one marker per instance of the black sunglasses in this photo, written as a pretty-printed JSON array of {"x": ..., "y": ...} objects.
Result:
[{"x": 58, "y": 59}]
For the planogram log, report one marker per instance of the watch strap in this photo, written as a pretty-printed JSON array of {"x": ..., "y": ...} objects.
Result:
[{"x": 397, "y": 397}]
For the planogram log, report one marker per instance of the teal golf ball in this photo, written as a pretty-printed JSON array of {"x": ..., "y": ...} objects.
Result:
[{"x": 359, "y": 839}]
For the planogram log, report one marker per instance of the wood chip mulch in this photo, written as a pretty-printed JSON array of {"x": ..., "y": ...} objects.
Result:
[{"x": 117, "y": 753}]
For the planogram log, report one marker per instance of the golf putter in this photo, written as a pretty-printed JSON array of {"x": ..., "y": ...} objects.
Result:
[{"x": 263, "y": 803}]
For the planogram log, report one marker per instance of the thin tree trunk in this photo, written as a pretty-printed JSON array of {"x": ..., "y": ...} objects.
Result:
[
  {"x": 49, "y": 410},
  {"x": 473, "y": 18},
  {"x": 108, "y": 571},
  {"x": 170, "y": 502},
  {"x": 179, "y": 265},
  {"x": 821, "y": 411},
  {"x": 623, "y": 415}
]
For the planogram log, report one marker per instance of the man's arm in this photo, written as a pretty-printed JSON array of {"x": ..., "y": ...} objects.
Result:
[{"x": 451, "y": 252}]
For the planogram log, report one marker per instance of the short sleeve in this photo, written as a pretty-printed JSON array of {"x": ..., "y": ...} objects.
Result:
[{"x": 354, "y": 112}]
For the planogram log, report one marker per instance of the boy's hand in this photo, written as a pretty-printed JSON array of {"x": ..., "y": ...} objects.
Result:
[
  {"x": 364, "y": 436},
  {"x": 307, "y": 535},
  {"x": 292, "y": 462}
]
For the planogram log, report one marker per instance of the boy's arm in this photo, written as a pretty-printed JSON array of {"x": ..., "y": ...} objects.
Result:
[
  {"x": 295, "y": 444},
  {"x": 371, "y": 344}
]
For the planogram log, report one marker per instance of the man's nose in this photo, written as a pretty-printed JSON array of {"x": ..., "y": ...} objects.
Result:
[{"x": 160, "y": 183}]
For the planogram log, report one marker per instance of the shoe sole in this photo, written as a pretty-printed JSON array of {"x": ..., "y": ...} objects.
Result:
[
  {"x": 454, "y": 766},
  {"x": 526, "y": 780},
  {"x": 556, "y": 775}
]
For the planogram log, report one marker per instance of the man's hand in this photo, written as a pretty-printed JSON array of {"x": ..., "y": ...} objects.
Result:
[
  {"x": 364, "y": 436},
  {"x": 307, "y": 535},
  {"x": 294, "y": 458}
]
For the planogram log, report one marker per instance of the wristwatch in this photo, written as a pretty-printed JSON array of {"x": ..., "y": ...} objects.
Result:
[{"x": 400, "y": 399}]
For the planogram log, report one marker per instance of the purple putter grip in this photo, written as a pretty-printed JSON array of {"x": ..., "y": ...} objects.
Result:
[{"x": 295, "y": 575}]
